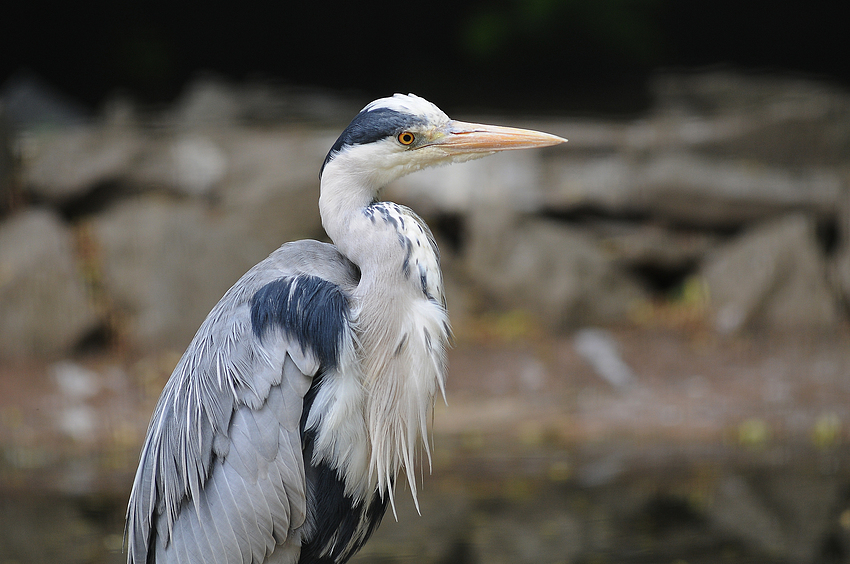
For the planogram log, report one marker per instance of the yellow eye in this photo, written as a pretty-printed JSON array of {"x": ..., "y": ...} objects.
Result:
[{"x": 406, "y": 138}]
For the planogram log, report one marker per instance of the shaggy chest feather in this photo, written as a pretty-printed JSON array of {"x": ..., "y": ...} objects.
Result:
[{"x": 375, "y": 407}]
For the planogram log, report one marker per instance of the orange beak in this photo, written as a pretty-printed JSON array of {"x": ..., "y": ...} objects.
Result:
[{"x": 460, "y": 137}]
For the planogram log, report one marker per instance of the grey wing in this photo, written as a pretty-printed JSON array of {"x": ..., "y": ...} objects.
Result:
[{"x": 221, "y": 474}]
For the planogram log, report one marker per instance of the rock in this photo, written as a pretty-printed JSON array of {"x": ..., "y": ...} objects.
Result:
[
  {"x": 64, "y": 164},
  {"x": 31, "y": 102},
  {"x": 688, "y": 189},
  {"x": 46, "y": 306},
  {"x": 508, "y": 179},
  {"x": 558, "y": 272},
  {"x": 119, "y": 110},
  {"x": 189, "y": 164},
  {"x": 720, "y": 150},
  {"x": 712, "y": 192},
  {"x": 263, "y": 103},
  {"x": 266, "y": 180},
  {"x": 775, "y": 120},
  {"x": 165, "y": 264},
  {"x": 642, "y": 244},
  {"x": 212, "y": 102},
  {"x": 843, "y": 274},
  {"x": 6, "y": 163},
  {"x": 76, "y": 383},
  {"x": 841, "y": 264},
  {"x": 678, "y": 187},
  {"x": 792, "y": 142},
  {"x": 724, "y": 92},
  {"x": 773, "y": 276},
  {"x": 603, "y": 471},
  {"x": 200, "y": 165},
  {"x": 272, "y": 185},
  {"x": 599, "y": 349},
  {"x": 597, "y": 182},
  {"x": 208, "y": 102}
]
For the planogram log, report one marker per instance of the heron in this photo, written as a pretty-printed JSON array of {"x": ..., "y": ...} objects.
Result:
[{"x": 307, "y": 390}]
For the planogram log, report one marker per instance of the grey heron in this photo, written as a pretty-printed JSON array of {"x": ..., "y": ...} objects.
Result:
[{"x": 306, "y": 391}]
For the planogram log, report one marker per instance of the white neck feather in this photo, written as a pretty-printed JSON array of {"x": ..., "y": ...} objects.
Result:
[{"x": 401, "y": 332}]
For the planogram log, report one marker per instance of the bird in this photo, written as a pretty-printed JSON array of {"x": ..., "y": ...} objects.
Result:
[{"x": 307, "y": 391}]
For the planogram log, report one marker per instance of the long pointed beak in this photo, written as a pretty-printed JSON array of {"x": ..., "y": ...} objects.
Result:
[{"x": 461, "y": 137}]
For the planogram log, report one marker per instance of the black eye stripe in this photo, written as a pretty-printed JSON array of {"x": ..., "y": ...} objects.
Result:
[{"x": 373, "y": 125}]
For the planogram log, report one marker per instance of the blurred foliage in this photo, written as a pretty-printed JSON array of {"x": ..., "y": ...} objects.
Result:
[
  {"x": 827, "y": 431},
  {"x": 144, "y": 59},
  {"x": 624, "y": 28},
  {"x": 684, "y": 308},
  {"x": 754, "y": 432},
  {"x": 512, "y": 326}
]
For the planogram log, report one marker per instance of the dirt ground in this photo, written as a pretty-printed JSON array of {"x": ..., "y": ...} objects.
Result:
[{"x": 688, "y": 389}]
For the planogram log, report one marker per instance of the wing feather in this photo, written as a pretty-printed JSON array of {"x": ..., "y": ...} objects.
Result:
[
  {"x": 248, "y": 516},
  {"x": 221, "y": 474},
  {"x": 206, "y": 527},
  {"x": 265, "y": 430},
  {"x": 223, "y": 502},
  {"x": 179, "y": 554},
  {"x": 190, "y": 538},
  {"x": 243, "y": 454},
  {"x": 220, "y": 530}
]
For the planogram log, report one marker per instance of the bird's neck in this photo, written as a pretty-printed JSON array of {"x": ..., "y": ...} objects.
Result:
[
  {"x": 343, "y": 198},
  {"x": 399, "y": 315},
  {"x": 347, "y": 194},
  {"x": 391, "y": 245}
]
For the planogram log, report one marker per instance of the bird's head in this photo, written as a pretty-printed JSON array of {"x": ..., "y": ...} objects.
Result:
[{"x": 398, "y": 135}]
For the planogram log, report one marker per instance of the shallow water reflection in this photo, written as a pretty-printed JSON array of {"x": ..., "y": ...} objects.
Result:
[{"x": 630, "y": 505}]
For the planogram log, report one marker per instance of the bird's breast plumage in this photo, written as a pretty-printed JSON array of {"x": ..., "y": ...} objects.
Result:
[{"x": 419, "y": 254}]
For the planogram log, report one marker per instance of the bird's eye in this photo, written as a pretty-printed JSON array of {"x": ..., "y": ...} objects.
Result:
[{"x": 406, "y": 138}]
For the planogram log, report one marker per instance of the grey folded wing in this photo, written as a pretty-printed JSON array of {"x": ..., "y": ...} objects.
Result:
[{"x": 221, "y": 474}]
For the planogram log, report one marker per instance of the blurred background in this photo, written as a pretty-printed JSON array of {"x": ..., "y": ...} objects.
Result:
[{"x": 653, "y": 358}]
